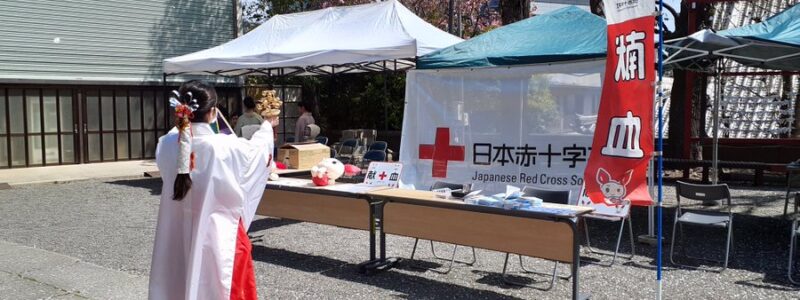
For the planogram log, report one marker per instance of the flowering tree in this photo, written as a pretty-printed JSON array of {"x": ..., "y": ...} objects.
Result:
[{"x": 471, "y": 17}]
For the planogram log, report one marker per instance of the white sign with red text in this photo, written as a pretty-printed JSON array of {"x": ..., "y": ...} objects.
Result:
[
  {"x": 383, "y": 174},
  {"x": 493, "y": 127}
]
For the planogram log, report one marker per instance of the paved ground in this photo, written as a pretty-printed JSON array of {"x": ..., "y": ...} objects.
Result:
[
  {"x": 30, "y": 273},
  {"x": 69, "y": 173},
  {"x": 109, "y": 225}
]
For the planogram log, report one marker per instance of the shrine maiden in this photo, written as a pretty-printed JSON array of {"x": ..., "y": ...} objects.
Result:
[{"x": 212, "y": 184}]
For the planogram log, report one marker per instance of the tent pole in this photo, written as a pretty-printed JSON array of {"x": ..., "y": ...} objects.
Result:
[
  {"x": 385, "y": 98},
  {"x": 332, "y": 90},
  {"x": 715, "y": 118},
  {"x": 659, "y": 282},
  {"x": 164, "y": 94}
]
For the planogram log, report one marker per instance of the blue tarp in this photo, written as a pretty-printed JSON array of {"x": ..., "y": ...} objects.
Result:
[
  {"x": 566, "y": 34},
  {"x": 781, "y": 28},
  {"x": 771, "y": 44}
]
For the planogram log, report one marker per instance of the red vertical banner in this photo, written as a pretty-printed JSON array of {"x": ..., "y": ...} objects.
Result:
[{"x": 623, "y": 139}]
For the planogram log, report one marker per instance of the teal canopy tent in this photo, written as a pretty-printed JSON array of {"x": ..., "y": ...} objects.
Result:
[
  {"x": 566, "y": 34},
  {"x": 771, "y": 44}
]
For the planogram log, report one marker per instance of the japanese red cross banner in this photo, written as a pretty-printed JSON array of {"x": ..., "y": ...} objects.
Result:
[{"x": 623, "y": 139}]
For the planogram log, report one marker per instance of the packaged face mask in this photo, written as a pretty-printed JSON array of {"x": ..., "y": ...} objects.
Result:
[
  {"x": 512, "y": 205},
  {"x": 489, "y": 201}
]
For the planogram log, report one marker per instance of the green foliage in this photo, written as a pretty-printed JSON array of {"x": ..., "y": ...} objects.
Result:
[
  {"x": 351, "y": 100},
  {"x": 541, "y": 105},
  {"x": 362, "y": 101}
]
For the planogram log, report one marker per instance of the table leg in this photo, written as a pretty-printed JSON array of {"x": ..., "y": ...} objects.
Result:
[
  {"x": 383, "y": 242},
  {"x": 381, "y": 263},
  {"x": 366, "y": 266},
  {"x": 575, "y": 277},
  {"x": 372, "y": 231},
  {"x": 576, "y": 262}
]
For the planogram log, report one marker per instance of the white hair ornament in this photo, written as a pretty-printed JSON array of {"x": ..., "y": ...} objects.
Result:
[{"x": 184, "y": 112}]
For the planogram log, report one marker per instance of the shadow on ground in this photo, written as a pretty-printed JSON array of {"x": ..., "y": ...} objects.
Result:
[
  {"x": 760, "y": 245},
  {"x": 152, "y": 184},
  {"x": 411, "y": 286}
]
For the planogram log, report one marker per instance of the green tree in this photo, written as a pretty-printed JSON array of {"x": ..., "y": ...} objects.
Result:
[{"x": 541, "y": 106}]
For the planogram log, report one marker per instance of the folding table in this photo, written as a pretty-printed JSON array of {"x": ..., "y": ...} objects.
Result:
[{"x": 549, "y": 232}]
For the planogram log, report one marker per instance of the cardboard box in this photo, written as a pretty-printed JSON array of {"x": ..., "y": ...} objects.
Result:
[{"x": 303, "y": 156}]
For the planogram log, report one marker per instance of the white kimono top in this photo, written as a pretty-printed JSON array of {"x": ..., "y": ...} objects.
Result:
[{"x": 196, "y": 237}]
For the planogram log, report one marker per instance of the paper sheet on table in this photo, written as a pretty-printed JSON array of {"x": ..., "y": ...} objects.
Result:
[
  {"x": 359, "y": 188},
  {"x": 290, "y": 182},
  {"x": 551, "y": 210}
]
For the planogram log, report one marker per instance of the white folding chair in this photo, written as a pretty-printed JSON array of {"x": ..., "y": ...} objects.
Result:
[{"x": 603, "y": 212}]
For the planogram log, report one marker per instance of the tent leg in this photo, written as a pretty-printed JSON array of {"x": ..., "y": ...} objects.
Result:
[
  {"x": 164, "y": 94},
  {"x": 385, "y": 98},
  {"x": 717, "y": 96}
]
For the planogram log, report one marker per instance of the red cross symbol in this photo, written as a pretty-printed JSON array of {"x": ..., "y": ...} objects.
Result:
[
  {"x": 382, "y": 175},
  {"x": 441, "y": 152}
]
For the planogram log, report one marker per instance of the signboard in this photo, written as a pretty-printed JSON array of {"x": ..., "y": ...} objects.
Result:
[
  {"x": 383, "y": 174},
  {"x": 494, "y": 127},
  {"x": 602, "y": 208},
  {"x": 623, "y": 139}
]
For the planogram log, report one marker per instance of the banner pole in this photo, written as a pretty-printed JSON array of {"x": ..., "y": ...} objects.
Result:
[
  {"x": 659, "y": 238},
  {"x": 717, "y": 98}
]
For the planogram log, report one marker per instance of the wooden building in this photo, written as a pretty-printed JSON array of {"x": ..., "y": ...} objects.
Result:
[{"x": 81, "y": 80}]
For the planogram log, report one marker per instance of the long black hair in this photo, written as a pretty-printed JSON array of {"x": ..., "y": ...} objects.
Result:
[{"x": 206, "y": 99}]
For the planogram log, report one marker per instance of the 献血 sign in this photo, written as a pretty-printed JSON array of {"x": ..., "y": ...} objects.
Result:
[{"x": 383, "y": 174}]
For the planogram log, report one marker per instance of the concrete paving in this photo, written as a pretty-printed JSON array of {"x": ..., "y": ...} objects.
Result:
[
  {"x": 31, "y": 273},
  {"x": 111, "y": 223},
  {"x": 69, "y": 173}
]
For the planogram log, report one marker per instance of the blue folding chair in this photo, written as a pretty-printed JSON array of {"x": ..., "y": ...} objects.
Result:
[
  {"x": 379, "y": 145},
  {"x": 372, "y": 155},
  {"x": 347, "y": 151}
]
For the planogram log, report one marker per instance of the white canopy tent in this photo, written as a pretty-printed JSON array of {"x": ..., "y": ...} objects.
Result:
[{"x": 363, "y": 38}]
